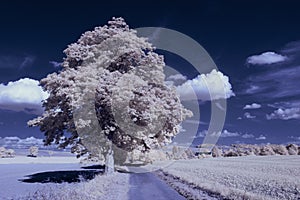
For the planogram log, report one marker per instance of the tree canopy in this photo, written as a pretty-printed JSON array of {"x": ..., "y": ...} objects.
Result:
[{"x": 111, "y": 88}]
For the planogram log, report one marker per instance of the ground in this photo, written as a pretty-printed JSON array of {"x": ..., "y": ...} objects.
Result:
[{"x": 249, "y": 177}]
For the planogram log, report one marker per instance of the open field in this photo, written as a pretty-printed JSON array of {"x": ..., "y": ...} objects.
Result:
[
  {"x": 248, "y": 177},
  {"x": 45, "y": 174}
]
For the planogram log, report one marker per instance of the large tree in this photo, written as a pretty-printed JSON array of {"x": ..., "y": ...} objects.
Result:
[{"x": 110, "y": 96}]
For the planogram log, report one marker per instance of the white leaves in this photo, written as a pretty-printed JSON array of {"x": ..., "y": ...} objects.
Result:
[
  {"x": 81, "y": 123},
  {"x": 113, "y": 86}
]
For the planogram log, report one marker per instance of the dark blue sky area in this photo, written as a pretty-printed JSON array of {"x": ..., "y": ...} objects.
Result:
[{"x": 35, "y": 33}]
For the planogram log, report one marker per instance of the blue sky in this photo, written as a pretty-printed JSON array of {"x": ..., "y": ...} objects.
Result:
[{"x": 256, "y": 44}]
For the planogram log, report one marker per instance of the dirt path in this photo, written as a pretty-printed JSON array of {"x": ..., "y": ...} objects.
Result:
[{"x": 147, "y": 186}]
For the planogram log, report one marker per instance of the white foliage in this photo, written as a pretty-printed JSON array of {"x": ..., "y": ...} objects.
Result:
[
  {"x": 258, "y": 150},
  {"x": 280, "y": 149},
  {"x": 113, "y": 186},
  {"x": 216, "y": 152},
  {"x": 248, "y": 177},
  {"x": 266, "y": 150},
  {"x": 292, "y": 149},
  {"x": 117, "y": 74},
  {"x": 7, "y": 153},
  {"x": 33, "y": 151}
]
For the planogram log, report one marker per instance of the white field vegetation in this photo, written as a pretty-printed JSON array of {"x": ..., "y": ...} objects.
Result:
[
  {"x": 112, "y": 186},
  {"x": 247, "y": 177}
]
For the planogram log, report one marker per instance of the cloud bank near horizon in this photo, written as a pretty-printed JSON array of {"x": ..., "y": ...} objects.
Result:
[{"x": 18, "y": 143}]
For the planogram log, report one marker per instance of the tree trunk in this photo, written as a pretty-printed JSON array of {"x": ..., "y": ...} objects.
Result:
[{"x": 109, "y": 162}]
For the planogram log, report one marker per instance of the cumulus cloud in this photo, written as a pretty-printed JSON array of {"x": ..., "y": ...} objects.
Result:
[
  {"x": 175, "y": 79},
  {"x": 285, "y": 114},
  {"x": 206, "y": 87},
  {"x": 249, "y": 116},
  {"x": 266, "y": 58},
  {"x": 252, "y": 106},
  {"x": 246, "y": 136},
  {"x": 22, "y": 95},
  {"x": 226, "y": 133},
  {"x": 261, "y": 137}
]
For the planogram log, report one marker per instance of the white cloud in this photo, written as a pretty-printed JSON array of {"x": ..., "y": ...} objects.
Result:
[
  {"x": 221, "y": 107},
  {"x": 261, "y": 137},
  {"x": 16, "y": 142},
  {"x": 28, "y": 60},
  {"x": 295, "y": 138},
  {"x": 249, "y": 116},
  {"x": 16, "y": 61},
  {"x": 253, "y": 89},
  {"x": 252, "y": 106},
  {"x": 246, "y": 136},
  {"x": 222, "y": 134},
  {"x": 266, "y": 58},
  {"x": 55, "y": 64},
  {"x": 276, "y": 83},
  {"x": 22, "y": 95},
  {"x": 181, "y": 129},
  {"x": 175, "y": 79},
  {"x": 226, "y": 133},
  {"x": 292, "y": 48},
  {"x": 202, "y": 133},
  {"x": 285, "y": 114},
  {"x": 191, "y": 121},
  {"x": 206, "y": 87},
  {"x": 285, "y": 104}
]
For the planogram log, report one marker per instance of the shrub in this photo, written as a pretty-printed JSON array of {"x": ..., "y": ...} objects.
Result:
[
  {"x": 292, "y": 149},
  {"x": 33, "y": 151}
]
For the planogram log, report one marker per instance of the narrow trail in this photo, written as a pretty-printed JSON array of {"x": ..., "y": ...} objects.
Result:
[{"x": 147, "y": 186}]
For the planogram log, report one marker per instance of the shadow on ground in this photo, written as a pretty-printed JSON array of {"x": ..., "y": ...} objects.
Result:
[{"x": 73, "y": 176}]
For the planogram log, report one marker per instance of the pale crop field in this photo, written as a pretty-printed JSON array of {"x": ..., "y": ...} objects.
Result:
[{"x": 248, "y": 177}]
